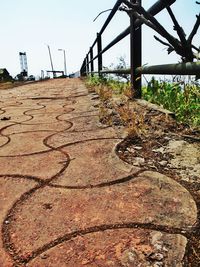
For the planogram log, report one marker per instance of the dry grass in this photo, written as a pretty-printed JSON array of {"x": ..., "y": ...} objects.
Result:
[
  {"x": 105, "y": 116},
  {"x": 134, "y": 122},
  {"x": 6, "y": 85},
  {"x": 105, "y": 93},
  {"x": 127, "y": 92},
  {"x": 111, "y": 110}
]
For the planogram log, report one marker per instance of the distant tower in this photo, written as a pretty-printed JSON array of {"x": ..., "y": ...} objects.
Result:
[{"x": 23, "y": 64}]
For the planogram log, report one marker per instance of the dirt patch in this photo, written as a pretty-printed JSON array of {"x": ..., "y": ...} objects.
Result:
[
  {"x": 159, "y": 143},
  {"x": 185, "y": 159},
  {"x": 173, "y": 156},
  {"x": 117, "y": 248},
  {"x": 154, "y": 140}
]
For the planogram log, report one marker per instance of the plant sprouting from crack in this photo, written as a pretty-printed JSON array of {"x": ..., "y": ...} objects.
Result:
[{"x": 133, "y": 121}]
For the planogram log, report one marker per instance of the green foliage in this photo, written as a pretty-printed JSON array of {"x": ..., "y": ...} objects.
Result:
[
  {"x": 118, "y": 87},
  {"x": 95, "y": 80},
  {"x": 180, "y": 98}
]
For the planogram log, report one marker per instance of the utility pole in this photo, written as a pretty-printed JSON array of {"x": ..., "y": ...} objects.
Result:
[
  {"x": 65, "y": 66},
  {"x": 51, "y": 61}
]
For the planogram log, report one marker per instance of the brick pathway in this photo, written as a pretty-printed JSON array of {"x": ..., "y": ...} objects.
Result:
[{"x": 68, "y": 200}]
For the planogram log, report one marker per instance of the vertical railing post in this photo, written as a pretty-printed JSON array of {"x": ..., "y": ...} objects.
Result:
[
  {"x": 136, "y": 54},
  {"x": 92, "y": 62},
  {"x": 87, "y": 65},
  {"x": 99, "y": 49},
  {"x": 83, "y": 68}
]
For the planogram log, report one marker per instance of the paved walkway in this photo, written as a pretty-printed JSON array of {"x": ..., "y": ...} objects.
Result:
[{"x": 68, "y": 200}]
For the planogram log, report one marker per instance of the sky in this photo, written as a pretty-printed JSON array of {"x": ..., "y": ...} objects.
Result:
[{"x": 30, "y": 25}]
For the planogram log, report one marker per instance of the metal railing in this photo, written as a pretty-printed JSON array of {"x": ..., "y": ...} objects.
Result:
[{"x": 136, "y": 69}]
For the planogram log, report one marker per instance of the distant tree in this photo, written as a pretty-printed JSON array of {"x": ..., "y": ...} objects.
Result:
[
  {"x": 121, "y": 65},
  {"x": 182, "y": 46},
  {"x": 20, "y": 77}
]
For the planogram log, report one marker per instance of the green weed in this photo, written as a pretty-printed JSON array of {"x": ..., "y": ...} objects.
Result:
[{"x": 181, "y": 98}]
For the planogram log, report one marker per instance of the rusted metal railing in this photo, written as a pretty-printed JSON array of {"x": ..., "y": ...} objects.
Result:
[
  {"x": 189, "y": 68},
  {"x": 135, "y": 31}
]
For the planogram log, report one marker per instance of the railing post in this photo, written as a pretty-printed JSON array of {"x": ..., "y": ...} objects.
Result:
[
  {"x": 92, "y": 62},
  {"x": 83, "y": 68},
  {"x": 136, "y": 55},
  {"x": 87, "y": 65},
  {"x": 99, "y": 49}
]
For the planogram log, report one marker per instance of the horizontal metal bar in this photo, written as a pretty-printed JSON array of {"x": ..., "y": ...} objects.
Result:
[
  {"x": 157, "y": 7},
  {"x": 154, "y": 10},
  {"x": 121, "y": 71},
  {"x": 111, "y": 15},
  {"x": 54, "y": 71},
  {"x": 189, "y": 68},
  {"x": 115, "y": 41}
]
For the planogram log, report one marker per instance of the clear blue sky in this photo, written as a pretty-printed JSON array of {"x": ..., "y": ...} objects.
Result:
[{"x": 28, "y": 25}]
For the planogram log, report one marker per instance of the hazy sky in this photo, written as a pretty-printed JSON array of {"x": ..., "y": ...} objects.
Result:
[{"x": 28, "y": 25}]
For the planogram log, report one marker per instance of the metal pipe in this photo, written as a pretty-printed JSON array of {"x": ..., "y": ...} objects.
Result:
[
  {"x": 111, "y": 15},
  {"x": 65, "y": 63},
  {"x": 135, "y": 55},
  {"x": 65, "y": 66},
  {"x": 83, "y": 68},
  {"x": 91, "y": 60},
  {"x": 87, "y": 64},
  {"x": 54, "y": 75},
  {"x": 99, "y": 49},
  {"x": 154, "y": 10},
  {"x": 189, "y": 68}
]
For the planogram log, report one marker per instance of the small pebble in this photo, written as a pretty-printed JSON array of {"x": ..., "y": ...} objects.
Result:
[
  {"x": 139, "y": 161},
  {"x": 137, "y": 147},
  {"x": 158, "y": 264},
  {"x": 163, "y": 163},
  {"x": 183, "y": 232},
  {"x": 44, "y": 256},
  {"x": 156, "y": 256}
]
